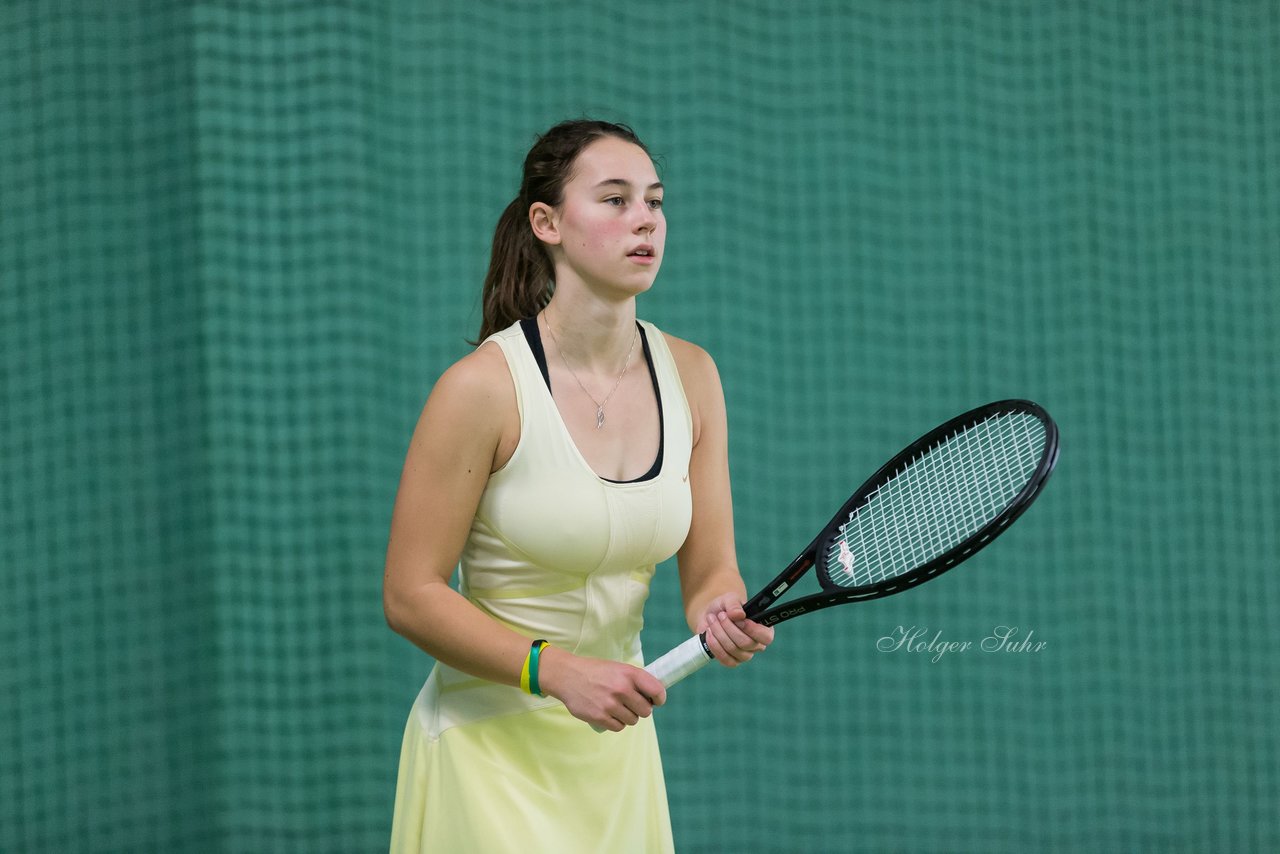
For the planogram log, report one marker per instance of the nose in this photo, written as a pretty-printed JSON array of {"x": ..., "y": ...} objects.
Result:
[{"x": 648, "y": 220}]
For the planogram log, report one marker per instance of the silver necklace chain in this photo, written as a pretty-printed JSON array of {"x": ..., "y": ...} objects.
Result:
[{"x": 599, "y": 403}]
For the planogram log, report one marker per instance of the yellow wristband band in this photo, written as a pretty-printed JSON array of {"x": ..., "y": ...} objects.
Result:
[{"x": 524, "y": 674}]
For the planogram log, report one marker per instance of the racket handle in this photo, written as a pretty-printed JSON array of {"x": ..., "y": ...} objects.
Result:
[{"x": 686, "y": 659}]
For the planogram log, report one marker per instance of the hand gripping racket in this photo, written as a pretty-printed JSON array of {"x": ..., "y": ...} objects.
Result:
[{"x": 933, "y": 506}]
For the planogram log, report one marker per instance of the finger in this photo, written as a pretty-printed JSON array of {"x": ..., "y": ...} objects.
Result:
[
  {"x": 716, "y": 648},
  {"x": 640, "y": 706},
  {"x": 739, "y": 639},
  {"x": 651, "y": 687},
  {"x": 761, "y": 635},
  {"x": 633, "y": 709},
  {"x": 637, "y": 699},
  {"x": 724, "y": 648},
  {"x": 727, "y": 604},
  {"x": 758, "y": 632}
]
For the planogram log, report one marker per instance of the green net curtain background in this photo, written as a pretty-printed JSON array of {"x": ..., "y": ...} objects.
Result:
[{"x": 240, "y": 240}]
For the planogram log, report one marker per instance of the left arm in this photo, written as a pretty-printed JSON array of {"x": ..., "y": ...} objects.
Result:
[{"x": 710, "y": 582}]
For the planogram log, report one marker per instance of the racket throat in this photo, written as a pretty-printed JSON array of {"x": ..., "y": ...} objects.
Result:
[{"x": 781, "y": 585}]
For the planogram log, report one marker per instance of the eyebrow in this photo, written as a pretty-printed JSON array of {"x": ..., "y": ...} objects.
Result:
[{"x": 621, "y": 182}]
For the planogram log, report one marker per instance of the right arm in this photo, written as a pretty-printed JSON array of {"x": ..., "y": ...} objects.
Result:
[{"x": 464, "y": 430}]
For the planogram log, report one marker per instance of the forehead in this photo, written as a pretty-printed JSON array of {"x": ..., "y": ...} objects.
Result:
[{"x": 610, "y": 157}]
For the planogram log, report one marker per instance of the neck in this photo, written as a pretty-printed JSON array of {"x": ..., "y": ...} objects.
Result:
[{"x": 592, "y": 334}]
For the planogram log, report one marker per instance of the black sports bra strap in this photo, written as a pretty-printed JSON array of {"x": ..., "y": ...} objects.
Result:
[{"x": 533, "y": 335}]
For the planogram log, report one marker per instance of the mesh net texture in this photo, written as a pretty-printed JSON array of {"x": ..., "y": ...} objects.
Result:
[{"x": 240, "y": 240}]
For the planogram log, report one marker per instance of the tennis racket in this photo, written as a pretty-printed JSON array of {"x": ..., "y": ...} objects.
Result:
[{"x": 936, "y": 504}]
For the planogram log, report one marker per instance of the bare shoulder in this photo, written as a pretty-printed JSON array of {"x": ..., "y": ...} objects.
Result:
[
  {"x": 701, "y": 381},
  {"x": 697, "y": 368},
  {"x": 476, "y": 395},
  {"x": 477, "y": 375}
]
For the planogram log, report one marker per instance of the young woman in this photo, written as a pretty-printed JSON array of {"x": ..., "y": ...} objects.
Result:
[{"x": 559, "y": 462}]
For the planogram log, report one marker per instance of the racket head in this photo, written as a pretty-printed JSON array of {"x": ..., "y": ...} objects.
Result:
[{"x": 938, "y": 501}]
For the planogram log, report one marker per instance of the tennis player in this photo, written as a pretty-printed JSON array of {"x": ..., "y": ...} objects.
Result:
[{"x": 573, "y": 450}]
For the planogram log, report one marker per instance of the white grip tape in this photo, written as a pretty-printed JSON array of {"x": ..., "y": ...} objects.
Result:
[{"x": 688, "y": 658}]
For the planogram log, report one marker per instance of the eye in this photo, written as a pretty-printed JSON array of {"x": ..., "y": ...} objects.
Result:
[
  {"x": 655, "y": 204},
  {"x": 616, "y": 201}
]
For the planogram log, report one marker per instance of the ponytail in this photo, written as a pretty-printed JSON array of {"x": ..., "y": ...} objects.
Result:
[{"x": 521, "y": 278}]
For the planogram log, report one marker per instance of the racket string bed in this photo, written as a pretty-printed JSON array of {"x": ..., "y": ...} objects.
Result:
[
  {"x": 897, "y": 514},
  {"x": 939, "y": 498}
]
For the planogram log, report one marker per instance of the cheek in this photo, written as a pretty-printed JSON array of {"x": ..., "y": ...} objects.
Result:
[{"x": 601, "y": 232}]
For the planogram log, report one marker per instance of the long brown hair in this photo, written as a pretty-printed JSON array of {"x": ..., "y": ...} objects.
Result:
[{"x": 521, "y": 278}]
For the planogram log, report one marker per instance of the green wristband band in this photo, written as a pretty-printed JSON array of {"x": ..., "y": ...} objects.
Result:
[{"x": 534, "y": 651}]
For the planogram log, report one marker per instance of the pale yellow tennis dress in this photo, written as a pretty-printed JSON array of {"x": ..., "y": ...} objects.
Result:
[{"x": 555, "y": 552}]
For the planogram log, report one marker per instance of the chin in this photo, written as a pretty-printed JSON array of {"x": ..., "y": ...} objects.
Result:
[
  {"x": 622, "y": 287},
  {"x": 636, "y": 288},
  {"x": 630, "y": 286}
]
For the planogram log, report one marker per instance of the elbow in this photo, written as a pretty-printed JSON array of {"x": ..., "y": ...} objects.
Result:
[
  {"x": 392, "y": 607},
  {"x": 405, "y": 606},
  {"x": 389, "y": 613}
]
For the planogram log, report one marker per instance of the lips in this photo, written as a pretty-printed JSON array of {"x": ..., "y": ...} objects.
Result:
[{"x": 644, "y": 250}]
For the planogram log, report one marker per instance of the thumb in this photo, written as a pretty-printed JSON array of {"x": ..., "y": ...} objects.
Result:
[{"x": 651, "y": 686}]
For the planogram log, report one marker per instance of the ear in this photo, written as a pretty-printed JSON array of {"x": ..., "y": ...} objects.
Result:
[{"x": 544, "y": 222}]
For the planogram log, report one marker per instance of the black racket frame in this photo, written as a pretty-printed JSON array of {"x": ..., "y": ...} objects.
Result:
[{"x": 757, "y": 607}]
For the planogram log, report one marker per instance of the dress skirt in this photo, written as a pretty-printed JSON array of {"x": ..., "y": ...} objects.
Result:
[{"x": 535, "y": 781}]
